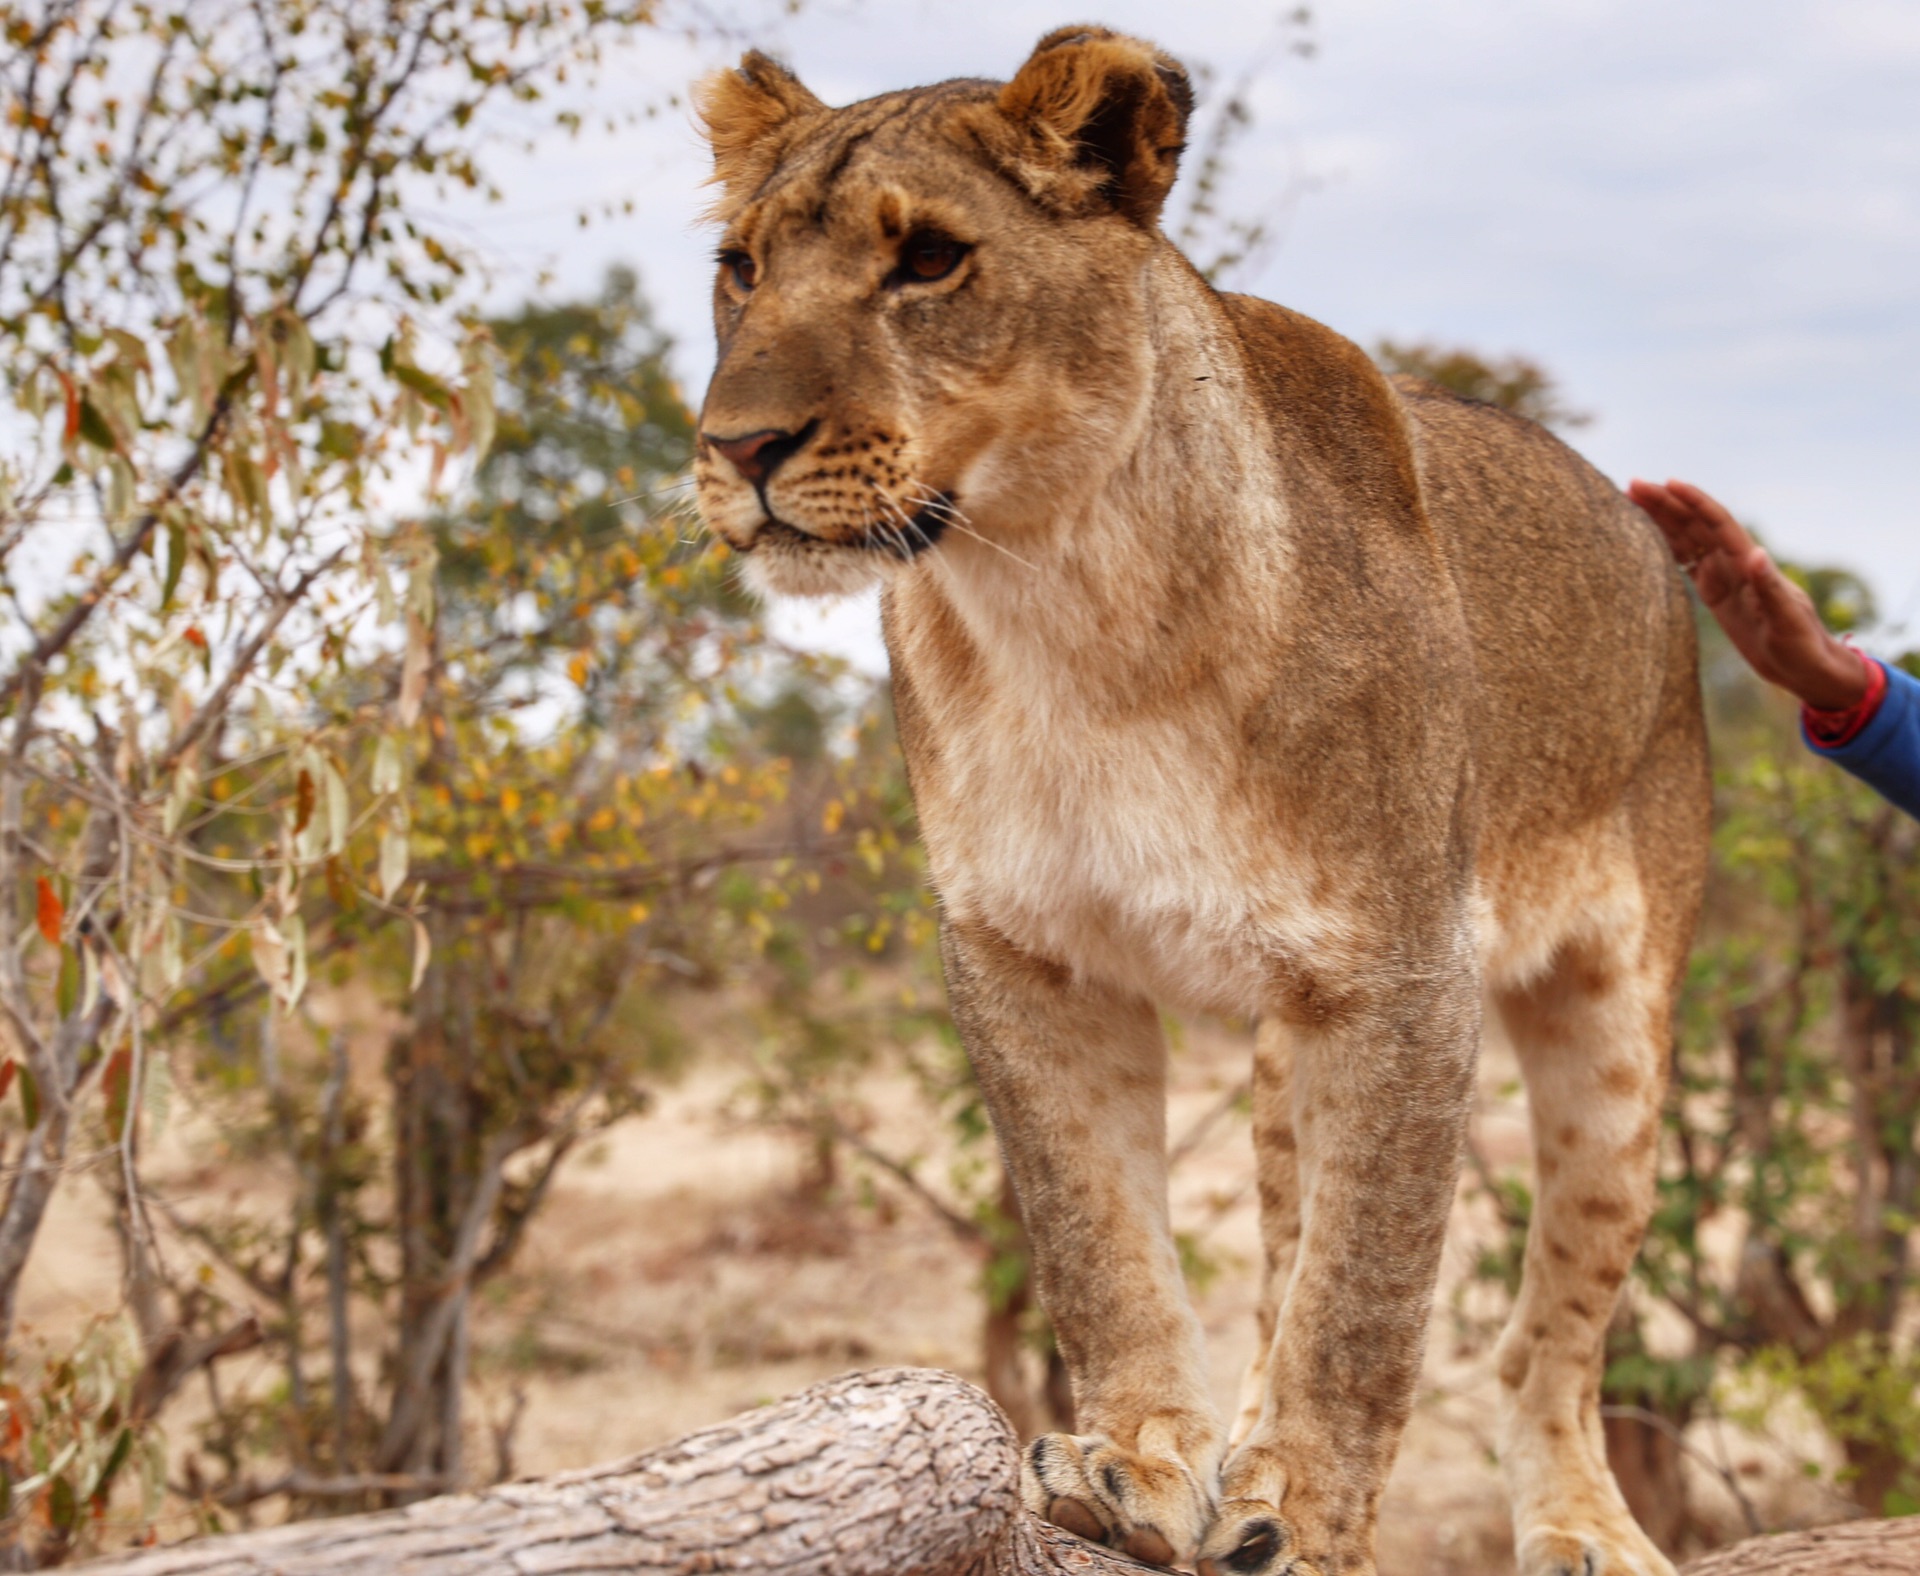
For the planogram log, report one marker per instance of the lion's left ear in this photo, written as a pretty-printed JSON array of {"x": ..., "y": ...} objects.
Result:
[
  {"x": 749, "y": 115},
  {"x": 1103, "y": 119}
]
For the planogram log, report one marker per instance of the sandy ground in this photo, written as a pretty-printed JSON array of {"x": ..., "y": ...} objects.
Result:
[{"x": 677, "y": 1279}]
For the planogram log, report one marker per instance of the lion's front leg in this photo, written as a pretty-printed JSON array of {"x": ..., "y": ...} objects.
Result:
[
  {"x": 1381, "y": 1092},
  {"x": 1074, "y": 1076}
]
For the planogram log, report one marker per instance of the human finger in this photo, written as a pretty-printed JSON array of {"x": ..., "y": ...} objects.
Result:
[
  {"x": 1691, "y": 521},
  {"x": 1713, "y": 520},
  {"x": 1677, "y": 521}
]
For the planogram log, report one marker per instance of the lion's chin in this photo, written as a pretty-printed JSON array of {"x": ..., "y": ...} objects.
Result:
[{"x": 813, "y": 569}]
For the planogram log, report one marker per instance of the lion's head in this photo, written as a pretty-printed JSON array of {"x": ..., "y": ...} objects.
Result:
[{"x": 930, "y": 304}]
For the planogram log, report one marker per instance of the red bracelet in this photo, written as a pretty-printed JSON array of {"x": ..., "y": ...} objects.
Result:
[{"x": 1835, "y": 728}]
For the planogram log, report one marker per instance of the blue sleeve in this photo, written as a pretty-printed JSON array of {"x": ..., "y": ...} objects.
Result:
[{"x": 1885, "y": 754}]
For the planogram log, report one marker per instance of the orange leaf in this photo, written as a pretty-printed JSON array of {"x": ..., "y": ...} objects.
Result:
[
  {"x": 194, "y": 637},
  {"x": 7, "y": 1071},
  {"x": 73, "y": 406},
  {"x": 51, "y": 911}
]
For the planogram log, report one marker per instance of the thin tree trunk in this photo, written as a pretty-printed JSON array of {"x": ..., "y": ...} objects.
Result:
[
  {"x": 342, "y": 1401},
  {"x": 897, "y": 1472}
]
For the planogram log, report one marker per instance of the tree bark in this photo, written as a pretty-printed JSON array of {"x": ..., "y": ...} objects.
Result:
[
  {"x": 895, "y": 1472},
  {"x": 1854, "y": 1548}
]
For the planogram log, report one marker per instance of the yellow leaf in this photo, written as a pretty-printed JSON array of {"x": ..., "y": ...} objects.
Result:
[
  {"x": 577, "y": 668},
  {"x": 637, "y": 915},
  {"x": 835, "y": 813},
  {"x": 509, "y": 801}
]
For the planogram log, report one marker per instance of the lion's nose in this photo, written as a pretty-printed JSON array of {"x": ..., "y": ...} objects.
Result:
[{"x": 757, "y": 455}]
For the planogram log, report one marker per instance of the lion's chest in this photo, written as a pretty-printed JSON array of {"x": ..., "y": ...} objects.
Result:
[{"x": 1119, "y": 848}]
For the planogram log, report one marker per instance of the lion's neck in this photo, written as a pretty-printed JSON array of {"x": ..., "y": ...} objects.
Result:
[{"x": 1121, "y": 586}]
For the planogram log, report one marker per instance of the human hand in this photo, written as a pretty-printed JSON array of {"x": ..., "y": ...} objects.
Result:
[{"x": 1769, "y": 619}]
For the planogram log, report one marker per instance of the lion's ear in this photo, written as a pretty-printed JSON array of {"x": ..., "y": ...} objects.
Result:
[
  {"x": 1104, "y": 118},
  {"x": 748, "y": 115}
]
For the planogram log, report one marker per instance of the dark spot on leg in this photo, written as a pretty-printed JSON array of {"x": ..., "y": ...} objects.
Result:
[
  {"x": 1645, "y": 1139},
  {"x": 1621, "y": 1079}
]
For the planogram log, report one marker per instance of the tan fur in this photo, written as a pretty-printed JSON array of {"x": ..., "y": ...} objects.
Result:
[{"x": 1230, "y": 677}]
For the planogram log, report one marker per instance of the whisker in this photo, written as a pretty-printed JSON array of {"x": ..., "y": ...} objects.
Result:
[
  {"x": 956, "y": 517},
  {"x": 684, "y": 485},
  {"x": 911, "y": 523}
]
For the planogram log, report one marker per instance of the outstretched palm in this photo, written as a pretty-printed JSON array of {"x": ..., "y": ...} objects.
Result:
[{"x": 1769, "y": 619}]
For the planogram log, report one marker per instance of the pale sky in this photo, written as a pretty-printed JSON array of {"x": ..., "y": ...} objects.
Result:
[{"x": 1704, "y": 218}]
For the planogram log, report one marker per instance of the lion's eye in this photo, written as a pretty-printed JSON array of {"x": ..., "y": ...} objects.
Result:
[
  {"x": 929, "y": 255},
  {"x": 742, "y": 267}
]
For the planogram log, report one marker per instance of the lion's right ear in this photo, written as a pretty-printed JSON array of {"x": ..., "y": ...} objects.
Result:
[
  {"x": 1099, "y": 120},
  {"x": 749, "y": 115}
]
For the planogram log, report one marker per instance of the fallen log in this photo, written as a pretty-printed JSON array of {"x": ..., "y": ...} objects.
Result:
[
  {"x": 1853, "y": 1548},
  {"x": 894, "y": 1472}
]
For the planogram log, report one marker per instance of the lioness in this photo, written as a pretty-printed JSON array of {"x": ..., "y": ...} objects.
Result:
[{"x": 1231, "y": 677}]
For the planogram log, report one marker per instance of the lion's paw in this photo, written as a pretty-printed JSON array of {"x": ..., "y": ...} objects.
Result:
[
  {"x": 1152, "y": 1508},
  {"x": 1249, "y": 1537},
  {"x": 1559, "y": 1551}
]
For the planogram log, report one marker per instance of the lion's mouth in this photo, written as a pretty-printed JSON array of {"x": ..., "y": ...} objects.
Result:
[{"x": 904, "y": 539}]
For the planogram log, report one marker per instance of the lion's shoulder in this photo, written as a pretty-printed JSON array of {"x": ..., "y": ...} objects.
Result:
[{"x": 1333, "y": 418}]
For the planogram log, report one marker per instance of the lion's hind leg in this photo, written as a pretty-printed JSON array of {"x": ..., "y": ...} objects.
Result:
[{"x": 1591, "y": 1035}]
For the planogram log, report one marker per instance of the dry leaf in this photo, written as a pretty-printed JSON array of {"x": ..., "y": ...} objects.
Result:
[
  {"x": 414, "y": 669},
  {"x": 422, "y": 953}
]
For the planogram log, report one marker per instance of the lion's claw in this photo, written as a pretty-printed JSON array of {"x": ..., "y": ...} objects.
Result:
[{"x": 1250, "y": 1538}]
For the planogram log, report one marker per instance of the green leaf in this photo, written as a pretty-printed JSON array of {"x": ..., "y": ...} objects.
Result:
[
  {"x": 428, "y": 387},
  {"x": 63, "y": 1508},
  {"x": 176, "y": 561},
  {"x": 116, "y": 1459},
  {"x": 94, "y": 428},
  {"x": 66, "y": 991},
  {"x": 29, "y": 1097}
]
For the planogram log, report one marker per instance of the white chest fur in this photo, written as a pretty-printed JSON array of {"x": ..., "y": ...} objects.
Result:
[{"x": 1117, "y": 846}]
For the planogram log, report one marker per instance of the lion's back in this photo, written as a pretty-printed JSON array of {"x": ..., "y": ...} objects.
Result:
[{"x": 1583, "y": 640}]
